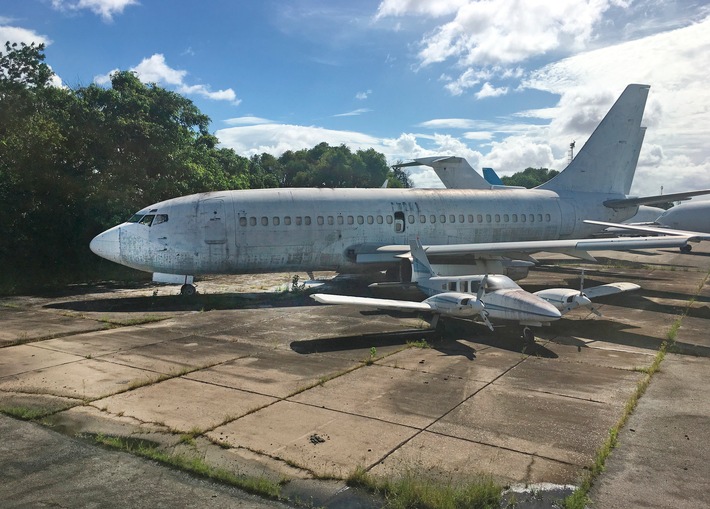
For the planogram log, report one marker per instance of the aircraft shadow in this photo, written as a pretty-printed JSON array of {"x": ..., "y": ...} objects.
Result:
[
  {"x": 452, "y": 340},
  {"x": 617, "y": 333},
  {"x": 199, "y": 302}
]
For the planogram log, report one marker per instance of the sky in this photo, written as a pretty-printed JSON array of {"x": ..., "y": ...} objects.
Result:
[{"x": 506, "y": 84}]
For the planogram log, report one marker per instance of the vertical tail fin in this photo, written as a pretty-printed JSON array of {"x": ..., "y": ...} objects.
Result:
[
  {"x": 454, "y": 172},
  {"x": 607, "y": 162},
  {"x": 492, "y": 177},
  {"x": 421, "y": 269}
]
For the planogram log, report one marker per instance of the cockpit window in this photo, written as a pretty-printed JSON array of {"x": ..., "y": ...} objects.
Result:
[
  {"x": 160, "y": 218},
  {"x": 135, "y": 218},
  {"x": 500, "y": 283},
  {"x": 147, "y": 220}
]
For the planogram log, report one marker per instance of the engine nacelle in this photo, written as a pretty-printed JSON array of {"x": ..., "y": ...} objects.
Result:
[{"x": 462, "y": 305}]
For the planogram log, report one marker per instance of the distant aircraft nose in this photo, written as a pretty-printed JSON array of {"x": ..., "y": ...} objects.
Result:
[{"x": 107, "y": 244}]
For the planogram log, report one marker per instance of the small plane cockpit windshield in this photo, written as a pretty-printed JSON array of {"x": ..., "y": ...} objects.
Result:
[{"x": 500, "y": 283}]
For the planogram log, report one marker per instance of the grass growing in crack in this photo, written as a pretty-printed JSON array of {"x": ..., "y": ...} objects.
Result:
[
  {"x": 411, "y": 490},
  {"x": 421, "y": 343},
  {"x": 256, "y": 485},
  {"x": 141, "y": 320},
  {"x": 25, "y": 413},
  {"x": 580, "y": 498}
]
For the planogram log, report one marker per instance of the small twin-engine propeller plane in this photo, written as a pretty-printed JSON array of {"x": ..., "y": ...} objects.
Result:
[{"x": 483, "y": 297}]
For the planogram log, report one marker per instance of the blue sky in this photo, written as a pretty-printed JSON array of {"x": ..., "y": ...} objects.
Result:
[{"x": 504, "y": 83}]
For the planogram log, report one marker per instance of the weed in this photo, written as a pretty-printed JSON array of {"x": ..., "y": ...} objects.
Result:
[
  {"x": 117, "y": 322},
  {"x": 411, "y": 490},
  {"x": 256, "y": 485},
  {"x": 24, "y": 413},
  {"x": 421, "y": 343}
]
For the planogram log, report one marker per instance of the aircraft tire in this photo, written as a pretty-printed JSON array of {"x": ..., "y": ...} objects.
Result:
[
  {"x": 528, "y": 336},
  {"x": 188, "y": 290},
  {"x": 686, "y": 249}
]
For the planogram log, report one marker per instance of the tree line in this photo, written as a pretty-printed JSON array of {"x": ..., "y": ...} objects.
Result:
[{"x": 76, "y": 161}]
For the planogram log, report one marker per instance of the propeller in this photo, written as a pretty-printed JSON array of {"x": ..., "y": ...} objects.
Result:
[
  {"x": 480, "y": 305},
  {"x": 582, "y": 300}
]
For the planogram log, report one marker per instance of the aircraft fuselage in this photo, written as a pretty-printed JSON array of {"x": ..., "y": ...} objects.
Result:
[{"x": 272, "y": 230}]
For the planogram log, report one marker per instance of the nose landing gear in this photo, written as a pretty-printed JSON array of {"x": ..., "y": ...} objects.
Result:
[
  {"x": 528, "y": 336},
  {"x": 188, "y": 290}
]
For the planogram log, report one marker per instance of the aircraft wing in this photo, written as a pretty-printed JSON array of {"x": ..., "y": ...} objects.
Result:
[
  {"x": 519, "y": 250},
  {"x": 609, "y": 289},
  {"x": 368, "y": 302},
  {"x": 659, "y": 230}
]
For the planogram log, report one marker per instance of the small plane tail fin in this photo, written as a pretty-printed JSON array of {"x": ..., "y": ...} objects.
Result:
[
  {"x": 607, "y": 162},
  {"x": 421, "y": 268}
]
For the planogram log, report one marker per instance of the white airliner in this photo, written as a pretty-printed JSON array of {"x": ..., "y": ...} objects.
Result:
[
  {"x": 478, "y": 297},
  {"x": 467, "y": 231}
]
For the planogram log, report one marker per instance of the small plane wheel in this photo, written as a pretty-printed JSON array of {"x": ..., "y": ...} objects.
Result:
[
  {"x": 188, "y": 290},
  {"x": 686, "y": 249},
  {"x": 528, "y": 336}
]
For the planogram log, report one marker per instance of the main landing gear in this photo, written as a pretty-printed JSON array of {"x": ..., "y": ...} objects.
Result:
[{"x": 188, "y": 290}]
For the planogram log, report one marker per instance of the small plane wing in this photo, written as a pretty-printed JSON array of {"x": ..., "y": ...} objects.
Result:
[
  {"x": 368, "y": 302},
  {"x": 573, "y": 247},
  {"x": 657, "y": 229},
  {"x": 609, "y": 289}
]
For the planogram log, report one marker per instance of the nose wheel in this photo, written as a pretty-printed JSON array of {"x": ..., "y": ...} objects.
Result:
[
  {"x": 528, "y": 336},
  {"x": 188, "y": 290}
]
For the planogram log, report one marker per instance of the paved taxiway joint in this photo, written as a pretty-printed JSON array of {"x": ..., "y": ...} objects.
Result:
[{"x": 305, "y": 391}]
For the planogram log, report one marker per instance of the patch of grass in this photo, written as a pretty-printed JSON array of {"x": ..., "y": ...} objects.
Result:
[
  {"x": 413, "y": 491},
  {"x": 25, "y": 413},
  {"x": 257, "y": 485},
  {"x": 422, "y": 343},
  {"x": 127, "y": 322}
]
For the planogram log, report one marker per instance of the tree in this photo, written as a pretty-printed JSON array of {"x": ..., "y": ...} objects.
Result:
[{"x": 529, "y": 177}]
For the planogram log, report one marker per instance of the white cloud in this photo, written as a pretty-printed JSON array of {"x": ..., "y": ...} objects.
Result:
[
  {"x": 449, "y": 123},
  {"x": 247, "y": 120},
  {"x": 363, "y": 95},
  {"x": 154, "y": 69},
  {"x": 675, "y": 64},
  {"x": 14, "y": 34},
  {"x": 104, "y": 8},
  {"x": 435, "y": 8},
  {"x": 488, "y": 90},
  {"x": 354, "y": 113}
]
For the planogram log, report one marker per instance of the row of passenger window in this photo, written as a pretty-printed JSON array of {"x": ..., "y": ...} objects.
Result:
[{"x": 433, "y": 218}]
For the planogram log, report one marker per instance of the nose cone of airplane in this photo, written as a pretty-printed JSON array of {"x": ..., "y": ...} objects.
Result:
[
  {"x": 107, "y": 245},
  {"x": 547, "y": 311}
]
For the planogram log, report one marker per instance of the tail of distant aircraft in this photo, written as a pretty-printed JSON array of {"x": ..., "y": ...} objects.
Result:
[
  {"x": 492, "y": 177},
  {"x": 607, "y": 162},
  {"x": 421, "y": 269},
  {"x": 454, "y": 172}
]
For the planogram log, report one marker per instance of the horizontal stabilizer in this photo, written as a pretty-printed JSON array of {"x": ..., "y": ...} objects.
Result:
[{"x": 650, "y": 200}]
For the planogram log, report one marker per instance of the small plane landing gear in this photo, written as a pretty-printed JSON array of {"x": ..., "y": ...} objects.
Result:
[
  {"x": 528, "y": 336},
  {"x": 686, "y": 249},
  {"x": 188, "y": 290}
]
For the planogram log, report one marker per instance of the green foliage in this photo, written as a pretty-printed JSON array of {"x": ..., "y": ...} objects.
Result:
[
  {"x": 529, "y": 177},
  {"x": 74, "y": 162},
  {"x": 412, "y": 490}
]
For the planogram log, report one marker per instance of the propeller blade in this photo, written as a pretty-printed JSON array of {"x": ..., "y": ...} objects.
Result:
[
  {"x": 484, "y": 317},
  {"x": 482, "y": 287},
  {"x": 581, "y": 283}
]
